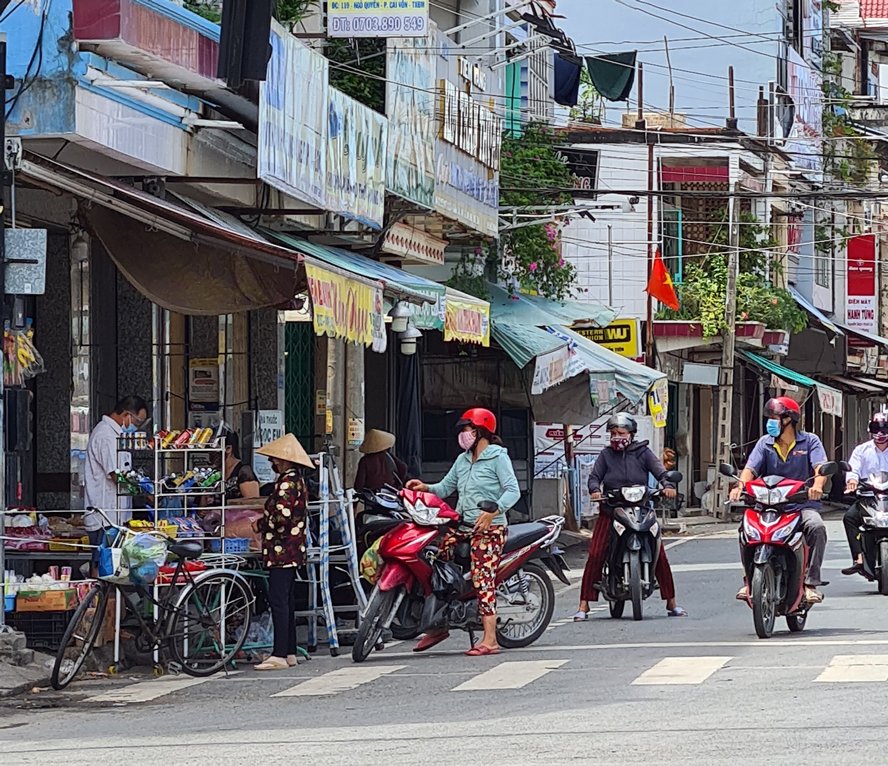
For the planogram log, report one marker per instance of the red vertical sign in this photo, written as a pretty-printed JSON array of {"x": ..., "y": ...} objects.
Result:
[{"x": 862, "y": 305}]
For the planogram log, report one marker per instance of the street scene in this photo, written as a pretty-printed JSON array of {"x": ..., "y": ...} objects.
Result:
[{"x": 496, "y": 381}]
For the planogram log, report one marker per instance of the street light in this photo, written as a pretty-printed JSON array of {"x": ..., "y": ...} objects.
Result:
[
  {"x": 400, "y": 316},
  {"x": 409, "y": 339}
]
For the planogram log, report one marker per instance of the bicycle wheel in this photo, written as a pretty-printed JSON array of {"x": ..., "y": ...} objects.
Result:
[
  {"x": 80, "y": 636},
  {"x": 209, "y": 623}
]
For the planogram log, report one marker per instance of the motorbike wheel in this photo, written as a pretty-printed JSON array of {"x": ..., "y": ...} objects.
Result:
[
  {"x": 372, "y": 623},
  {"x": 796, "y": 622},
  {"x": 616, "y": 608},
  {"x": 883, "y": 569},
  {"x": 764, "y": 604},
  {"x": 537, "y": 576},
  {"x": 635, "y": 587}
]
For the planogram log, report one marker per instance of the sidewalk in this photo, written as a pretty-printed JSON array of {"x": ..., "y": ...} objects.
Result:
[{"x": 15, "y": 679}]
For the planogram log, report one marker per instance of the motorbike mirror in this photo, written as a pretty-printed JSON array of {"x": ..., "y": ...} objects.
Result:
[
  {"x": 845, "y": 466},
  {"x": 672, "y": 477},
  {"x": 488, "y": 506},
  {"x": 828, "y": 469},
  {"x": 726, "y": 469}
]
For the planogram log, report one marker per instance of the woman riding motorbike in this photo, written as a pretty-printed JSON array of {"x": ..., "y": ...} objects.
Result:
[
  {"x": 483, "y": 473},
  {"x": 624, "y": 463}
]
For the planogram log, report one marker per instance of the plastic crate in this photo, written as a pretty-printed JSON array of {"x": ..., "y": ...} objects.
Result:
[
  {"x": 232, "y": 545},
  {"x": 74, "y": 545},
  {"x": 43, "y": 630}
]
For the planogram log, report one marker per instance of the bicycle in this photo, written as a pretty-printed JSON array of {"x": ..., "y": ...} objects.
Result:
[{"x": 201, "y": 620}]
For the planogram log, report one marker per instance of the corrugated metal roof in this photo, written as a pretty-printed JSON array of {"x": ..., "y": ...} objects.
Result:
[{"x": 874, "y": 9}]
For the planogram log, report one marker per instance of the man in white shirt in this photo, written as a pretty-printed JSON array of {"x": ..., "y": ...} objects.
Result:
[
  {"x": 103, "y": 458},
  {"x": 868, "y": 458}
]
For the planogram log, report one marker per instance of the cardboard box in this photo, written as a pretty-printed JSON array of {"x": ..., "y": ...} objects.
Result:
[{"x": 46, "y": 600}]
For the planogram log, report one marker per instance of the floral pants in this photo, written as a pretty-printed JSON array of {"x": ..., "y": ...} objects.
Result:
[{"x": 487, "y": 549}]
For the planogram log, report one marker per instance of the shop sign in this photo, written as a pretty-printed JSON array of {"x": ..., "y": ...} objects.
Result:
[
  {"x": 804, "y": 142},
  {"x": 551, "y": 369},
  {"x": 466, "y": 321},
  {"x": 469, "y": 125},
  {"x": 355, "y": 432},
  {"x": 293, "y": 119},
  {"x": 658, "y": 402},
  {"x": 583, "y": 166},
  {"x": 342, "y": 307},
  {"x": 320, "y": 401},
  {"x": 620, "y": 336},
  {"x": 356, "y": 148},
  {"x": 414, "y": 244},
  {"x": 203, "y": 384},
  {"x": 861, "y": 308},
  {"x": 268, "y": 426},
  {"x": 377, "y": 18},
  {"x": 410, "y": 106},
  {"x": 465, "y": 190},
  {"x": 830, "y": 400}
]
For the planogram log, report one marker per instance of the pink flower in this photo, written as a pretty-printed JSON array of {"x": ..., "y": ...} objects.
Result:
[
  {"x": 551, "y": 232},
  {"x": 744, "y": 316},
  {"x": 773, "y": 301},
  {"x": 533, "y": 266},
  {"x": 561, "y": 262}
]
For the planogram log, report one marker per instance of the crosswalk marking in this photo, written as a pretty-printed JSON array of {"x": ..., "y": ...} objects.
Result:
[
  {"x": 510, "y": 675},
  {"x": 340, "y": 680},
  {"x": 145, "y": 691},
  {"x": 680, "y": 671},
  {"x": 855, "y": 668}
]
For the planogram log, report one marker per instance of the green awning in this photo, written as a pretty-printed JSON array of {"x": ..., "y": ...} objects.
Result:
[
  {"x": 784, "y": 373},
  {"x": 524, "y": 343},
  {"x": 536, "y": 311}
]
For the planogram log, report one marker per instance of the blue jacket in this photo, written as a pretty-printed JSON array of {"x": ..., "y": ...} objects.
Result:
[{"x": 490, "y": 477}]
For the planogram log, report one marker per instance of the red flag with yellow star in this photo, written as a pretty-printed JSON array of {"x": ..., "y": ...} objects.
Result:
[{"x": 660, "y": 283}]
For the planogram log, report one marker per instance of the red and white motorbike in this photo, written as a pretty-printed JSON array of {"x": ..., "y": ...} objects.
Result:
[{"x": 416, "y": 591}]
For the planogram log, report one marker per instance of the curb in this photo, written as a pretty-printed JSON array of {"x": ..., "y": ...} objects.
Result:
[{"x": 22, "y": 688}]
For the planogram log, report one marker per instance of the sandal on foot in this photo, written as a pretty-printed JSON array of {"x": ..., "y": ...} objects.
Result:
[
  {"x": 429, "y": 640},
  {"x": 481, "y": 651},
  {"x": 581, "y": 616},
  {"x": 679, "y": 611},
  {"x": 272, "y": 663}
]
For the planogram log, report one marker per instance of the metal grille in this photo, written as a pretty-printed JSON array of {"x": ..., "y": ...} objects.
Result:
[{"x": 299, "y": 344}]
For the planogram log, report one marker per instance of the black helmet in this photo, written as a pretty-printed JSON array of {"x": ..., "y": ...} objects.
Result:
[
  {"x": 879, "y": 422},
  {"x": 622, "y": 420}
]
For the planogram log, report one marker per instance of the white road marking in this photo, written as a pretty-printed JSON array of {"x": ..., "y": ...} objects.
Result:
[
  {"x": 340, "y": 680},
  {"x": 855, "y": 668},
  {"x": 510, "y": 675},
  {"x": 683, "y": 671},
  {"x": 145, "y": 691}
]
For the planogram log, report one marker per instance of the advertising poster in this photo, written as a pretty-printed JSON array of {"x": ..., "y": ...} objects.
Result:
[
  {"x": 377, "y": 18},
  {"x": 269, "y": 426},
  {"x": 862, "y": 303}
]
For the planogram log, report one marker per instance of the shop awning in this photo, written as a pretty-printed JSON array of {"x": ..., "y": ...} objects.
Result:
[
  {"x": 814, "y": 311},
  {"x": 178, "y": 258},
  {"x": 863, "y": 338},
  {"x": 524, "y": 343},
  {"x": 537, "y": 311},
  {"x": 830, "y": 398},
  {"x": 860, "y": 386}
]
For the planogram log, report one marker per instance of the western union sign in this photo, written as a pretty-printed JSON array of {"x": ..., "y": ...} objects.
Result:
[{"x": 621, "y": 336}]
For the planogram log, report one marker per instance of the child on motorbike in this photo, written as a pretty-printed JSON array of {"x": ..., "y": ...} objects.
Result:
[
  {"x": 624, "y": 463},
  {"x": 482, "y": 473}
]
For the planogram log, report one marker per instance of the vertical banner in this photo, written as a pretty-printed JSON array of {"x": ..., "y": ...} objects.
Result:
[
  {"x": 293, "y": 119},
  {"x": 862, "y": 303},
  {"x": 269, "y": 425},
  {"x": 356, "y": 148},
  {"x": 410, "y": 106}
]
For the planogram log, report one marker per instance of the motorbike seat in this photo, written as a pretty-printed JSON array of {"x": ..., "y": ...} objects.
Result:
[
  {"x": 187, "y": 549},
  {"x": 519, "y": 535}
]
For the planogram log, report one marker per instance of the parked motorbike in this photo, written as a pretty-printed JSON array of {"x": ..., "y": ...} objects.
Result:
[
  {"x": 418, "y": 592},
  {"x": 383, "y": 511},
  {"x": 872, "y": 498},
  {"x": 634, "y": 547},
  {"x": 773, "y": 549}
]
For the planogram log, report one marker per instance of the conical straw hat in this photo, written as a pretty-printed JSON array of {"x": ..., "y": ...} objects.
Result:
[
  {"x": 376, "y": 441},
  {"x": 287, "y": 448}
]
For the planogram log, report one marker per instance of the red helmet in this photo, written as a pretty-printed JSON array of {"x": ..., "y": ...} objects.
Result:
[
  {"x": 479, "y": 418},
  {"x": 783, "y": 406}
]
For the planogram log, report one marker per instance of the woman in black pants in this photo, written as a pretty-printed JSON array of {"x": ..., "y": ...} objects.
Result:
[{"x": 282, "y": 527}]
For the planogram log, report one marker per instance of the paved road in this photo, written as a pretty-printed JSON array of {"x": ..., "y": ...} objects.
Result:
[{"x": 701, "y": 690}]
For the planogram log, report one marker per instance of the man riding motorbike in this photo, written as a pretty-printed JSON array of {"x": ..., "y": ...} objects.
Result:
[
  {"x": 482, "y": 473},
  {"x": 793, "y": 454},
  {"x": 624, "y": 463},
  {"x": 868, "y": 458}
]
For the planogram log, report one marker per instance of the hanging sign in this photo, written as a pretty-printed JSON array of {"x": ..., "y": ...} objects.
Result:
[
  {"x": 467, "y": 321},
  {"x": 551, "y": 369},
  {"x": 269, "y": 426},
  {"x": 831, "y": 400},
  {"x": 355, "y": 432},
  {"x": 203, "y": 384},
  {"x": 862, "y": 304},
  {"x": 620, "y": 336},
  {"x": 658, "y": 402},
  {"x": 377, "y": 18},
  {"x": 377, "y": 322},
  {"x": 341, "y": 307}
]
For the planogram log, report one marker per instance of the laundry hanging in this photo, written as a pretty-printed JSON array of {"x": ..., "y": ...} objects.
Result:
[
  {"x": 613, "y": 74},
  {"x": 567, "y": 79}
]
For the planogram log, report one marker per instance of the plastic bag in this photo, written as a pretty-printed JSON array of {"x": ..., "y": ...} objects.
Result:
[
  {"x": 371, "y": 563},
  {"x": 143, "y": 554},
  {"x": 260, "y": 633}
]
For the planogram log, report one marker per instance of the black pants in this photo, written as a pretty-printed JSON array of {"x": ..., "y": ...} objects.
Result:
[
  {"x": 852, "y": 520},
  {"x": 282, "y": 598}
]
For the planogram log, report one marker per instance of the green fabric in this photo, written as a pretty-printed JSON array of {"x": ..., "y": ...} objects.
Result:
[
  {"x": 778, "y": 369},
  {"x": 490, "y": 478},
  {"x": 613, "y": 74},
  {"x": 513, "y": 99},
  {"x": 537, "y": 311},
  {"x": 523, "y": 343}
]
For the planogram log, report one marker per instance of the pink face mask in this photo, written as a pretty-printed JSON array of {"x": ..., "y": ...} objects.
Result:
[
  {"x": 619, "y": 443},
  {"x": 467, "y": 439}
]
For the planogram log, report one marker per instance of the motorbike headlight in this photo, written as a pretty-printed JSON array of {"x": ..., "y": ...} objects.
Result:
[
  {"x": 751, "y": 532},
  {"x": 634, "y": 494},
  {"x": 619, "y": 527},
  {"x": 783, "y": 532}
]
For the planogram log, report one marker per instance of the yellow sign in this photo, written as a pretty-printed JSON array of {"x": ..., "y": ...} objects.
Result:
[
  {"x": 467, "y": 321},
  {"x": 341, "y": 307},
  {"x": 621, "y": 336},
  {"x": 658, "y": 402}
]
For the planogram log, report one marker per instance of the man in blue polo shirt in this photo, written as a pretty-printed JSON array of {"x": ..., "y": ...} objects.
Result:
[{"x": 798, "y": 455}]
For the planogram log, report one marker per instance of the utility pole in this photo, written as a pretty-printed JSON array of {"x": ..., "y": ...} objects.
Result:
[
  {"x": 641, "y": 124},
  {"x": 726, "y": 375},
  {"x": 6, "y": 83}
]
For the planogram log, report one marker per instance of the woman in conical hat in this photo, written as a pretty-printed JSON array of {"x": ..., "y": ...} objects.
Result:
[
  {"x": 282, "y": 528},
  {"x": 379, "y": 467}
]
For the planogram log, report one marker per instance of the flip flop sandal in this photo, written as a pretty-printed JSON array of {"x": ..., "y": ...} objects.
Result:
[
  {"x": 481, "y": 651},
  {"x": 272, "y": 664},
  {"x": 581, "y": 616},
  {"x": 677, "y": 612},
  {"x": 428, "y": 641}
]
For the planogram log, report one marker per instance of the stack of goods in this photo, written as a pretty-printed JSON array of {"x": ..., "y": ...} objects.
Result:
[
  {"x": 204, "y": 479},
  {"x": 134, "y": 482},
  {"x": 44, "y": 605},
  {"x": 26, "y": 531},
  {"x": 68, "y": 535},
  {"x": 201, "y": 438},
  {"x": 21, "y": 359}
]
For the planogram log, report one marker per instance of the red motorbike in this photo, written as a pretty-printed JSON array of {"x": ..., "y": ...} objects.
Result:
[
  {"x": 417, "y": 591},
  {"x": 773, "y": 549}
]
